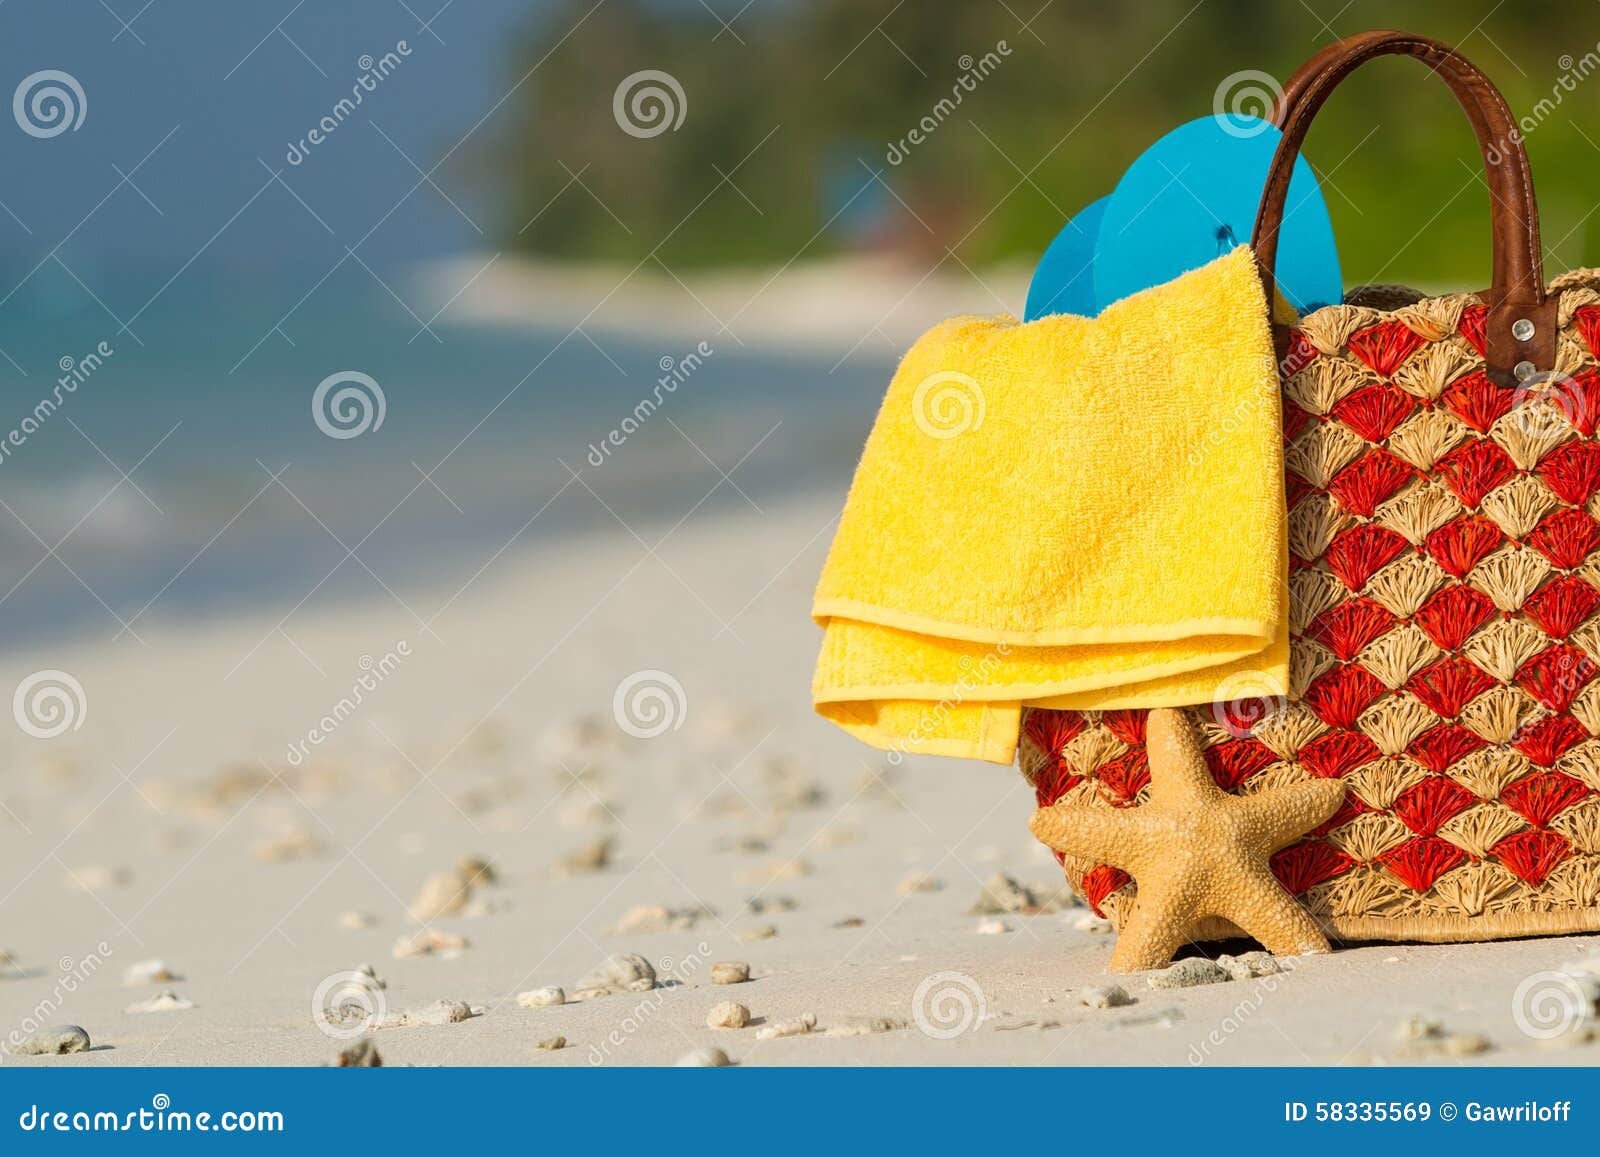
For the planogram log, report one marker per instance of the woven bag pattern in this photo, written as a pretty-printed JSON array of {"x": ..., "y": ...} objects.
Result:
[{"x": 1444, "y": 538}]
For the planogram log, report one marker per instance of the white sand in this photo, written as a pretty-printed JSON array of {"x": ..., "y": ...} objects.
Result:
[
  {"x": 446, "y": 759},
  {"x": 830, "y": 307}
]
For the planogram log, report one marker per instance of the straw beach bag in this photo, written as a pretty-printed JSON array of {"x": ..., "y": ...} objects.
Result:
[{"x": 1443, "y": 486}]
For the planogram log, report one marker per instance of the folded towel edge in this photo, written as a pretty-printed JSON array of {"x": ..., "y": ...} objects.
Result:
[
  {"x": 1273, "y": 681},
  {"x": 1250, "y": 628}
]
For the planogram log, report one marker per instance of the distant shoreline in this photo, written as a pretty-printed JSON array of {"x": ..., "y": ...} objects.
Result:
[{"x": 832, "y": 307}]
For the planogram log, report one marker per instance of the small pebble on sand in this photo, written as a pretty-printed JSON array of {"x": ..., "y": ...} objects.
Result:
[
  {"x": 357, "y": 920},
  {"x": 1195, "y": 970},
  {"x": 777, "y": 870},
  {"x": 1443, "y": 1044},
  {"x": 578, "y": 737},
  {"x": 587, "y": 813},
  {"x": 1416, "y": 1028},
  {"x": 619, "y": 972},
  {"x": 1465, "y": 1044},
  {"x": 759, "y": 932},
  {"x": 148, "y": 972},
  {"x": 1092, "y": 924},
  {"x": 54, "y": 1041},
  {"x": 865, "y": 1026},
  {"x": 595, "y": 856},
  {"x": 1001, "y": 895},
  {"x": 291, "y": 846},
  {"x": 98, "y": 878},
  {"x": 429, "y": 942},
  {"x": 918, "y": 883},
  {"x": 766, "y": 905},
  {"x": 837, "y": 837},
  {"x": 1576, "y": 1037},
  {"x": 643, "y": 918},
  {"x": 1105, "y": 996},
  {"x": 551, "y": 1044},
  {"x": 442, "y": 894},
  {"x": 797, "y": 1026},
  {"x": 1250, "y": 965},
  {"x": 728, "y": 1014},
  {"x": 542, "y": 997},
  {"x": 477, "y": 871},
  {"x": 167, "y": 1001},
  {"x": 848, "y": 922},
  {"x": 1423, "y": 1036},
  {"x": 794, "y": 794},
  {"x": 439, "y": 1012},
  {"x": 993, "y": 927},
  {"x": 706, "y": 1058},
  {"x": 730, "y": 972},
  {"x": 363, "y": 1054}
]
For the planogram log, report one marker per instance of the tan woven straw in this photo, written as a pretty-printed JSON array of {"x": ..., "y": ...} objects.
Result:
[{"x": 1443, "y": 489}]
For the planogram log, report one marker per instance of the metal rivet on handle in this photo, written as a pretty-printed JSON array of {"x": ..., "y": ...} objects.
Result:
[
  {"x": 1522, "y": 329},
  {"x": 1525, "y": 370}
]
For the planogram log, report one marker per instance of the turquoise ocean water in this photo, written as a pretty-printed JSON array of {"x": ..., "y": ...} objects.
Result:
[{"x": 145, "y": 486}]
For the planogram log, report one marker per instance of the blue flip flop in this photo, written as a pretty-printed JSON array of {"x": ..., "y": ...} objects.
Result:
[{"x": 1189, "y": 198}]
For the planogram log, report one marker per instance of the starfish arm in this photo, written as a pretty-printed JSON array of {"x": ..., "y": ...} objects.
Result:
[
  {"x": 1104, "y": 835},
  {"x": 1281, "y": 815},
  {"x": 1178, "y": 769},
  {"x": 1163, "y": 915},
  {"x": 1269, "y": 914}
]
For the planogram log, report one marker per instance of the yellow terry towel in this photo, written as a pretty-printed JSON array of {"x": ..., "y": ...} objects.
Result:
[{"x": 1075, "y": 513}]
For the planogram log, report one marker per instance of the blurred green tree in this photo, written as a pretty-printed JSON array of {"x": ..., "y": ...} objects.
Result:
[{"x": 796, "y": 139}]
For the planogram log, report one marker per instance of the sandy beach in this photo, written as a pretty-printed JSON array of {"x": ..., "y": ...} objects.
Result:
[
  {"x": 423, "y": 430},
  {"x": 836, "y": 307},
  {"x": 217, "y": 811}
]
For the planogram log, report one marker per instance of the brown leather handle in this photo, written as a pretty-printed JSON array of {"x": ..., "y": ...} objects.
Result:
[
  {"x": 1517, "y": 293},
  {"x": 1295, "y": 87}
]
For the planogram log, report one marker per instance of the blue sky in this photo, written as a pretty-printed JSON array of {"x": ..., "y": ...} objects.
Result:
[{"x": 189, "y": 102}]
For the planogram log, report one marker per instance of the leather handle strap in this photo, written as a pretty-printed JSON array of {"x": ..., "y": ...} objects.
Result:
[
  {"x": 1295, "y": 87},
  {"x": 1517, "y": 292}
]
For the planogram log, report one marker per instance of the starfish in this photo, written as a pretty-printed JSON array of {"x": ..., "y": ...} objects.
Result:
[{"x": 1196, "y": 851}]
